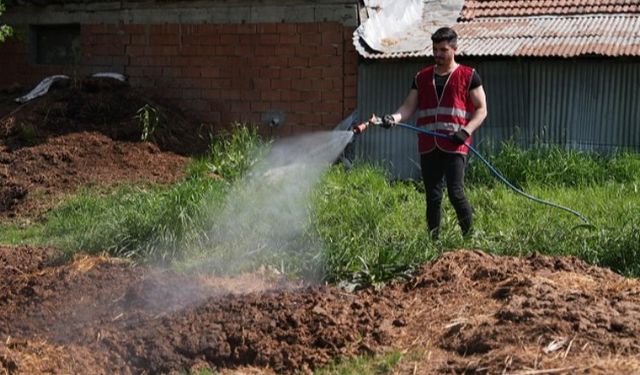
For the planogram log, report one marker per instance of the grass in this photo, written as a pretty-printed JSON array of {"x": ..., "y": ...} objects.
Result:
[
  {"x": 363, "y": 365},
  {"x": 364, "y": 229}
]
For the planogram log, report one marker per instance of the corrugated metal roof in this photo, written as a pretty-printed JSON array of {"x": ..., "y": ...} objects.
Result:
[
  {"x": 606, "y": 35},
  {"x": 500, "y": 8},
  {"x": 610, "y": 34}
]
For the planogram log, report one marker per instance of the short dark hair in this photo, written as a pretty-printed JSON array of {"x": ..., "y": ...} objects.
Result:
[{"x": 445, "y": 34}]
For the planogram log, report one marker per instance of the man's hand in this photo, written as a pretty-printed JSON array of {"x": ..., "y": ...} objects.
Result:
[
  {"x": 460, "y": 136},
  {"x": 388, "y": 121}
]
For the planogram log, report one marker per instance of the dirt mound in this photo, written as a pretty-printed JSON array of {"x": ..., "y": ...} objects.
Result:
[
  {"x": 86, "y": 132},
  {"x": 467, "y": 312}
]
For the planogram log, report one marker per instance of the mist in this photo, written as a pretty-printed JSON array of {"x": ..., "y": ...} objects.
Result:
[{"x": 265, "y": 218}]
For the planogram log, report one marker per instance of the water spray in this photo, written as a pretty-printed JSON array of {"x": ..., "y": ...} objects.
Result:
[{"x": 376, "y": 121}]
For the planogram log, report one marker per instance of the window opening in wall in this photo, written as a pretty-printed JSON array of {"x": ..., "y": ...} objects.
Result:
[{"x": 55, "y": 44}]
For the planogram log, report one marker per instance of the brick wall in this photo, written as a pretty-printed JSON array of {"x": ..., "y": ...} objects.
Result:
[{"x": 222, "y": 73}]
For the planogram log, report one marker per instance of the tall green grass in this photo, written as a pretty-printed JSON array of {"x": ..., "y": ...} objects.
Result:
[{"x": 366, "y": 229}]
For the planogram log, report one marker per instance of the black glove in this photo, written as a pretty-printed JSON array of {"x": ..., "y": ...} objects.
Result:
[
  {"x": 388, "y": 122},
  {"x": 460, "y": 136}
]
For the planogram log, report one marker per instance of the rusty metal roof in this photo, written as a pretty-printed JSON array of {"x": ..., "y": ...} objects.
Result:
[
  {"x": 562, "y": 36},
  {"x": 540, "y": 28},
  {"x": 500, "y": 8}
]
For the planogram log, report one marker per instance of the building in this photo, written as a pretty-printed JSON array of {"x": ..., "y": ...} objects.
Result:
[
  {"x": 289, "y": 63},
  {"x": 555, "y": 72}
]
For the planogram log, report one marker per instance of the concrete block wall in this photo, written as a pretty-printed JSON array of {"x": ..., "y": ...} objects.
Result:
[{"x": 220, "y": 73}]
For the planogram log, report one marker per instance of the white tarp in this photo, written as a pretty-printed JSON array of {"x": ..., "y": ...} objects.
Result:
[{"x": 44, "y": 85}]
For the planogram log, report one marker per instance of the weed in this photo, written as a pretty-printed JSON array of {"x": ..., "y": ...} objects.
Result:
[
  {"x": 149, "y": 119},
  {"x": 27, "y": 134}
]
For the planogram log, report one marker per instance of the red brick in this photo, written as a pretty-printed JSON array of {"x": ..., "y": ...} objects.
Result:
[
  {"x": 260, "y": 83},
  {"x": 311, "y": 96},
  {"x": 141, "y": 40},
  {"x": 302, "y": 107},
  {"x": 270, "y": 73},
  {"x": 135, "y": 51},
  {"x": 332, "y": 96},
  {"x": 311, "y": 73},
  {"x": 298, "y": 62},
  {"x": 161, "y": 50},
  {"x": 190, "y": 50},
  {"x": 269, "y": 61},
  {"x": 242, "y": 83},
  {"x": 334, "y": 71},
  {"x": 289, "y": 39},
  {"x": 326, "y": 61},
  {"x": 248, "y": 40},
  {"x": 248, "y": 28},
  {"x": 225, "y": 50},
  {"x": 306, "y": 51},
  {"x": 232, "y": 94},
  {"x": 158, "y": 60},
  {"x": 308, "y": 27},
  {"x": 190, "y": 93},
  {"x": 286, "y": 28},
  {"x": 292, "y": 95},
  {"x": 291, "y": 73},
  {"x": 268, "y": 39},
  {"x": 332, "y": 36},
  {"x": 231, "y": 39},
  {"x": 284, "y": 51},
  {"x": 331, "y": 107},
  {"x": 222, "y": 83},
  {"x": 210, "y": 72},
  {"x": 259, "y": 107},
  {"x": 311, "y": 39},
  {"x": 279, "y": 84},
  {"x": 264, "y": 51},
  {"x": 270, "y": 95},
  {"x": 164, "y": 39},
  {"x": 191, "y": 72},
  {"x": 321, "y": 84},
  {"x": 180, "y": 60},
  {"x": 244, "y": 51},
  {"x": 241, "y": 106},
  {"x": 171, "y": 72},
  {"x": 267, "y": 28}
]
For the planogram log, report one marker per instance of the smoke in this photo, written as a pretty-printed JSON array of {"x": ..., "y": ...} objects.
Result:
[{"x": 265, "y": 218}]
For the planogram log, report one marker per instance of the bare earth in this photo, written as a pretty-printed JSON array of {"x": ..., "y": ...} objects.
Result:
[{"x": 465, "y": 313}]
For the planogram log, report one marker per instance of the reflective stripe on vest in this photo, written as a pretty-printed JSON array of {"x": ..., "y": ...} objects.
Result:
[
  {"x": 446, "y": 126},
  {"x": 447, "y": 111}
]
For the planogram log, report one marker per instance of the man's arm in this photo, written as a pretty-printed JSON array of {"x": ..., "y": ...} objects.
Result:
[
  {"x": 479, "y": 100},
  {"x": 408, "y": 108}
]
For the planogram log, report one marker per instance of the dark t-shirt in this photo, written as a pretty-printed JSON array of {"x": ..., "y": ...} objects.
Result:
[{"x": 476, "y": 81}]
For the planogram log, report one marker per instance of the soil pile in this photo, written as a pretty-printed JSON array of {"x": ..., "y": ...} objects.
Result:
[
  {"x": 466, "y": 312},
  {"x": 82, "y": 133}
]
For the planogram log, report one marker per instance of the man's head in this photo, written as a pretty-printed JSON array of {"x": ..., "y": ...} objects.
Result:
[{"x": 445, "y": 43}]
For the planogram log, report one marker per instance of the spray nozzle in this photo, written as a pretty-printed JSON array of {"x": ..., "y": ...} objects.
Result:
[{"x": 361, "y": 128}]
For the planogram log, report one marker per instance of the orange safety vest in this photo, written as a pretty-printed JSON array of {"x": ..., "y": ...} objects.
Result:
[{"x": 447, "y": 115}]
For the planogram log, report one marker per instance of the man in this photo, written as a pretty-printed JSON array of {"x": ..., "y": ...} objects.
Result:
[{"x": 449, "y": 99}]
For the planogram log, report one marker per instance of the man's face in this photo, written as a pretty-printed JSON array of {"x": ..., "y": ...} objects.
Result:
[{"x": 443, "y": 53}]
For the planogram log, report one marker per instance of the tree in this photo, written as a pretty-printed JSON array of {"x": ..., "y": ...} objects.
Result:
[{"x": 5, "y": 30}]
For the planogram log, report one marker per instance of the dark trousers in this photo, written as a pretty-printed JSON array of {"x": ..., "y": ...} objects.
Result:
[{"x": 439, "y": 167}]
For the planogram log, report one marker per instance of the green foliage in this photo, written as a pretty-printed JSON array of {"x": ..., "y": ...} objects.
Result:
[
  {"x": 5, "y": 30},
  {"x": 553, "y": 166},
  {"x": 365, "y": 365},
  {"x": 369, "y": 230},
  {"x": 138, "y": 223},
  {"x": 232, "y": 153},
  {"x": 149, "y": 119},
  {"x": 152, "y": 223},
  {"x": 372, "y": 231}
]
